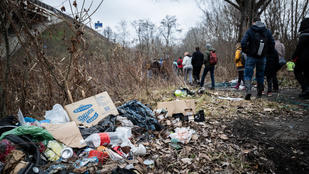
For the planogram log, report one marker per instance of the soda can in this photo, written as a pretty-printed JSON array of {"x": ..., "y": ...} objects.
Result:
[{"x": 66, "y": 153}]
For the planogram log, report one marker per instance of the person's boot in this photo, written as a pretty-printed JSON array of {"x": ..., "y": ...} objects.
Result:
[
  {"x": 237, "y": 86},
  {"x": 248, "y": 89},
  {"x": 304, "y": 92},
  {"x": 260, "y": 89}
]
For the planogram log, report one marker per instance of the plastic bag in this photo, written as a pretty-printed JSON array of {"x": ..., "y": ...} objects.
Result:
[
  {"x": 53, "y": 150},
  {"x": 38, "y": 134},
  {"x": 183, "y": 134},
  {"x": 21, "y": 118},
  {"x": 57, "y": 115}
]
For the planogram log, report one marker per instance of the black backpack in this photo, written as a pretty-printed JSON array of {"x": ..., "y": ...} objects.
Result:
[
  {"x": 259, "y": 46},
  {"x": 178, "y": 62},
  {"x": 243, "y": 57}
]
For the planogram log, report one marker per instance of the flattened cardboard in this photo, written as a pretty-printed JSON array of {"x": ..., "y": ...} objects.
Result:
[
  {"x": 177, "y": 106},
  {"x": 67, "y": 133},
  {"x": 91, "y": 110}
]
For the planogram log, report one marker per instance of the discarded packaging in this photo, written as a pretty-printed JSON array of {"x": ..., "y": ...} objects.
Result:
[
  {"x": 66, "y": 153},
  {"x": 91, "y": 110},
  {"x": 183, "y": 134},
  {"x": 177, "y": 106},
  {"x": 101, "y": 155},
  {"x": 57, "y": 115},
  {"x": 149, "y": 163}
]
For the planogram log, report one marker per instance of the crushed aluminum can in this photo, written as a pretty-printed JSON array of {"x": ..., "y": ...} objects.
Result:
[{"x": 66, "y": 153}]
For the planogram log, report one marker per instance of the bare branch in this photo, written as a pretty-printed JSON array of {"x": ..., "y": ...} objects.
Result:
[
  {"x": 264, "y": 6},
  {"x": 233, "y": 4}
]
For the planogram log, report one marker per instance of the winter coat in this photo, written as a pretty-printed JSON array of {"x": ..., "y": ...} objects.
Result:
[
  {"x": 197, "y": 59},
  {"x": 302, "y": 50},
  {"x": 272, "y": 64},
  {"x": 280, "y": 49},
  {"x": 206, "y": 57},
  {"x": 180, "y": 65},
  {"x": 187, "y": 62},
  {"x": 239, "y": 65},
  {"x": 247, "y": 41}
]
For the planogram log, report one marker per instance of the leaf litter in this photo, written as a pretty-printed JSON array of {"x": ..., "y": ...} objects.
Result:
[{"x": 237, "y": 137}]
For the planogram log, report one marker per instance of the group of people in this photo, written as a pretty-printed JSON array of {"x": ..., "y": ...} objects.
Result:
[
  {"x": 264, "y": 52},
  {"x": 258, "y": 49},
  {"x": 191, "y": 66}
]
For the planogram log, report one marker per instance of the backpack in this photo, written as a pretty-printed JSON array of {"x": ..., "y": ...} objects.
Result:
[
  {"x": 243, "y": 57},
  {"x": 178, "y": 62},
  {"x": 259, "y": 45},
  {"x": 213, "y": 59}
]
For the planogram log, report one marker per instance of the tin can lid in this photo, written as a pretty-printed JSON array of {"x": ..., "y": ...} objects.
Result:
[{"x": 66, "y": 153}]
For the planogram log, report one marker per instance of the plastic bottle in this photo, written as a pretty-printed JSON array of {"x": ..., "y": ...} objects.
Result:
[{"x": 102, "y": 139}]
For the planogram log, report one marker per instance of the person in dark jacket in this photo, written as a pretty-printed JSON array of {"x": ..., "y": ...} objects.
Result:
[
  {"x": 197, "y": 63},
  {"x": 301, "y": 59},
  {"x": 254, "y": 57},
  {"x": 208, "y": 67},
  {"x": 272, "y": 65}
]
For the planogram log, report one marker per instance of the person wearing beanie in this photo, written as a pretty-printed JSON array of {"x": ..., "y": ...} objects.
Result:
[
  {"x": 240, "y": 66},
  {"x": 256, "y": 43},
  {"x": 197, "y": 63},
  {"x": 301, "y": 59},
  {"x": 208, "y": 67},
  {"x": 187, "y": 67}
]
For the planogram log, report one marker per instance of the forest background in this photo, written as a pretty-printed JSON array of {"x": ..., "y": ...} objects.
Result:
[{"x": 69, "y": 61}]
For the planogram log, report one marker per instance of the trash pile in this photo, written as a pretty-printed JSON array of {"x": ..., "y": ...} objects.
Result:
[{"x": 93, "y": 136}]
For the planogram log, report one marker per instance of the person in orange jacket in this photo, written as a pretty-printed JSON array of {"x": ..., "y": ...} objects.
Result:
[{"x": 239, "y": 65}]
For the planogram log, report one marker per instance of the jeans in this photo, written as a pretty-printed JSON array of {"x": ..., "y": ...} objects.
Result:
[
  {"x": 206, "y": 69},
  {"x": 260, "y": 64},
  {"x": 188, "y": 71}
]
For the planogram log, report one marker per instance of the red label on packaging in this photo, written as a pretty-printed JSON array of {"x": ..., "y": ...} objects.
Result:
[{"x": 105, "y": 139}]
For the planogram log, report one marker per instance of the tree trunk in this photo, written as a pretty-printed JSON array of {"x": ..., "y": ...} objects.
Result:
[{"x": 3, "y": 86}]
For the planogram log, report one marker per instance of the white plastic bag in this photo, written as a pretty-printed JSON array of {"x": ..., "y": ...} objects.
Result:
[
  {"x": 183, "y": 134},
  {"x": 57, "y": 115},
  {"x": 21, "y": 118}
]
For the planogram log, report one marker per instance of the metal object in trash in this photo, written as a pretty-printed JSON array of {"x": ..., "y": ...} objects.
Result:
[{"x": 66, "y": 153}]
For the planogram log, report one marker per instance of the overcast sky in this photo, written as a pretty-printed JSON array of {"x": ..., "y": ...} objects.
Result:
[{"x": 111, "y": 12}]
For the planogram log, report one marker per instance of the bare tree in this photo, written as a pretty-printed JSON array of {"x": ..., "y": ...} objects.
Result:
[
  {"x": 168, "y": 27},
  {"x": 123, "y": 32},
  {"x": 145, "y": 31},
  {"x": 108, "y": 33}
]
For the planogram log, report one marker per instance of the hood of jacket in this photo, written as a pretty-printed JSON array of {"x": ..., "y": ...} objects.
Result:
[
  {"x": 304, "y": 26},
  {"x": 258, "y": 26},
  {"x": 211, "y": 49}
]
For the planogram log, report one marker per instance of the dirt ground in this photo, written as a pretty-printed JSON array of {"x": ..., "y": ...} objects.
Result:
[{"x": 278, "y": 144}]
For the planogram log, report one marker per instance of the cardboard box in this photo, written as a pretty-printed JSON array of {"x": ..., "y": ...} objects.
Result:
[
  {"x": 67, "y": 133},
  {"x": 177, "y": 106},
  {"x": 91, "y": 110}
]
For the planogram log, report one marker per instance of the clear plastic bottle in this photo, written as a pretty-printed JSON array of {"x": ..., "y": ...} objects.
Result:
[{"x": 102, "y": 139}]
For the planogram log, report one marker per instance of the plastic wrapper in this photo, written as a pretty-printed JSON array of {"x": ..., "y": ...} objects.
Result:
[
  {"x": 57, "y": 115},
  {"x": 53, "y": 150},
  {"x": 183, "y": 134}
]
